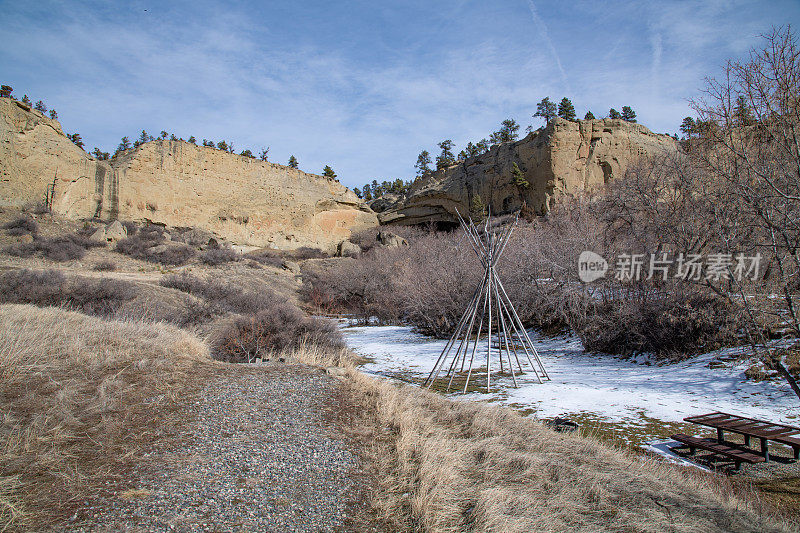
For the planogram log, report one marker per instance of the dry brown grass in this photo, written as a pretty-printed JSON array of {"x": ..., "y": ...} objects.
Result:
[
  {"x": 445, "y": 466},
  {"x": 80, "y": 396}
]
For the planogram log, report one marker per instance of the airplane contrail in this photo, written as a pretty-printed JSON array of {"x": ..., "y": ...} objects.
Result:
[{"x": 540, "y": 25}]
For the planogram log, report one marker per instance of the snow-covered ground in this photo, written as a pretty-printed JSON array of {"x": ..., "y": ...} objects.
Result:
[{"x": 607, "y": 388}]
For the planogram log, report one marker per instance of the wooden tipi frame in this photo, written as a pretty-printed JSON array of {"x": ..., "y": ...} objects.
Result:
[{"x": 497, "y": 314}]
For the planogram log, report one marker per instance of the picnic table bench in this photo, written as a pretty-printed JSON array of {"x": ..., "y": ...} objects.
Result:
[
  {"x": 739, "y": 454},
  {"x": 748, "y": 427}
]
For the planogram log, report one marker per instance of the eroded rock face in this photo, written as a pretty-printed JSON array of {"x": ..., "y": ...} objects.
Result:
[
  {"x": 562, "y": 159},
  {"x": 244, "y": 200}
]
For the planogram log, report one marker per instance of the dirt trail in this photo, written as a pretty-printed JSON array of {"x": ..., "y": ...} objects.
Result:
[{"x": 261, "y": 452}]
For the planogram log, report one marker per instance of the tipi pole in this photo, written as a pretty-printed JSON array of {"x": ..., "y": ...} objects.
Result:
[
  {"x": 475, "y": 345},
  {"x": 474, "y": 308},
  {"x": 451, "y": 341},
  {"x": 523, "y": 330},
  {"x": 490, "y": 275},
  {"x": 502, "y": 321}
]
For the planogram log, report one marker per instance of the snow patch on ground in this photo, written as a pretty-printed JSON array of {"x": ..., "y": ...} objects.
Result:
[{"x": 611, "y": 388}]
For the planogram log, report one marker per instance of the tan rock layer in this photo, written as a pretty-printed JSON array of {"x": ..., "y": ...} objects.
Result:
[
  {"x": 562, "y": 159},
  {"x": 246, "y": 201}
]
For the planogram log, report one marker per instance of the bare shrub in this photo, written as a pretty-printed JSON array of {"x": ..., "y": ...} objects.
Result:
[
  {"x": 266, "y": 257},
  {"x": 21, "y": 226},
  {"x": 137, "y": 245},
  {"x": 145, "y": 245},
  {"x": 225, "y": 297},
  {"x": 130, "y": 228},
  {"x": 219, "y": 256},
  {"x": 280, "y": 327},
  {"x": 306, "y": 252},
  {"x": 105, "y": 266},
  {"x": 99, "y": 297},
  {"x": 174, "y": 255},
  {"x": 61, "y": 248}
]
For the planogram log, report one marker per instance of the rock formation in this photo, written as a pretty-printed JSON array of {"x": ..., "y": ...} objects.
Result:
[
  {"x": 563, "y": 158},
  {"x": 244, "y": 200}
]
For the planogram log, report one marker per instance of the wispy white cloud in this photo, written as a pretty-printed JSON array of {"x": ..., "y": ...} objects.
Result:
[
  {"x": 542, "y": 29},
  {"x": 365, "y": 105}
]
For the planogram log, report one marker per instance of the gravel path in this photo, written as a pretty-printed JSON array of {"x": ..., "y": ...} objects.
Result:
[{"x": 261, "y": 453}]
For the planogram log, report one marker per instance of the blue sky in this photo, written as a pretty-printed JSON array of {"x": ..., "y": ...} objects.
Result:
[{"x": 364, "y": 86}]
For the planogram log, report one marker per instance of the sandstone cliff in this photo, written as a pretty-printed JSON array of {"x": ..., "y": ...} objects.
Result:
[
  {"x": 245, "y": 200},
  {"x": 562, "y": 159}
]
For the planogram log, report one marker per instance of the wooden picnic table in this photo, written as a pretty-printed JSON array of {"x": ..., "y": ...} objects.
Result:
[{"x": 750, "y": 427}]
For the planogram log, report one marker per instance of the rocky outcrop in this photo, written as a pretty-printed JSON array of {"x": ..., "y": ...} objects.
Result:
[
  {"x": 562, "y": 159},
  {"x": 244, "y": 200}
]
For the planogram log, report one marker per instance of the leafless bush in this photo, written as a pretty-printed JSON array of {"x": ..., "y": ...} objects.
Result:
[
  {"x": 175, "y": 254},
  {"x": 61, "y": 248},
  {"x": 130, "y": 228},
  {"x": 266, "y": 257},
  {"x": 148, "y": 244},
  {"x": 225, "y": 297},
  {"x": 37, "y": 208},
  {"x": 99, "y": 297},
  {"x": 275, "y": 329},
  {"x": 306, "y": 252},
  {"x": 219, "y": 256},
  {"x": 105, "y": 266},
  {"x": 21, "y": 226}
]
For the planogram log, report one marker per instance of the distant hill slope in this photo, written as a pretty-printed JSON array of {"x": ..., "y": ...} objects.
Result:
[
  {"x": 176, "y": 183},
  {"x": 561, "y": 159}
]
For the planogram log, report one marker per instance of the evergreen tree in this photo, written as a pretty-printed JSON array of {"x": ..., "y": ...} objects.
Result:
[
  {"x": 477, "y": 209},
  {"x": 208, "y": 143},
  {"x": 230, "y": 148},
  {"x": 588, "y": 116},
  {"x": 367, "y": 192},
  {"x": 143, "y": 138},
  {"x": 172, "y": 137},
  {"x": 292, "y": 161},
  {"x": 509, "y": 131},
  {"x": 163, "y": 135},
  {"x": 25, "y": 99},
  {"x": 192, "y": 139},
  {"x": 247, "y": 153},
  {"x": 519, "y": 177},
  {"x": 328, "y": 172},
  {"x": 5, "y": 91},
  {"x": 742, "y": 112},
  {"x": 472, "y": 149},
  {"x": 264, "y": 154},
  {"x": 99, "y": 155},
  {"x": 423, "y": 164},
  {"x": 613, "y": 113},
  {"x": 566, "y": 110},
  {"x": 688, "y": 127},
  {"x": 222, "y": 145},
  {"x": 446, "y": 158},
  {"x": 53, "y": 114},
  {"x": 40, "y": 106},
  {"x": 628, "y": 114},
  {"x": 482, "y": 146},
  {"x": 124, "y": 144},
  {"x": 546, "y": 110},
  {"x": 357, "y": 192},
  {"x": 76, "y": 138}
]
